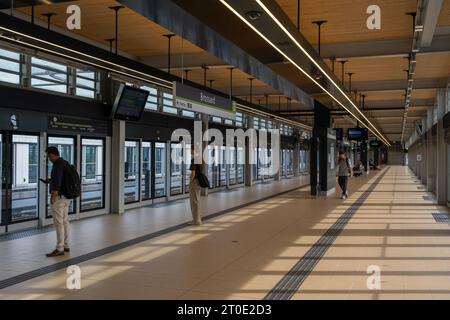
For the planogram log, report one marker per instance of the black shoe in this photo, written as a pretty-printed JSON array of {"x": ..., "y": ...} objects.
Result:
[
  {"x": 66, "y": 249},
  {"x": 55, "y": 253}
]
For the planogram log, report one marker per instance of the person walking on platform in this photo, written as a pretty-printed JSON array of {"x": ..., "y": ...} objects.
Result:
[
  {"x": 344, "y": 171},
  {"x": 194, "y": 193},
  {"x": 64, "y": 187}
]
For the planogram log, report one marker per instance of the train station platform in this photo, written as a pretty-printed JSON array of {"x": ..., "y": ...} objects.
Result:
[
  {"x": 23, "y": 253},
  {"x": 290, "y": 246}
]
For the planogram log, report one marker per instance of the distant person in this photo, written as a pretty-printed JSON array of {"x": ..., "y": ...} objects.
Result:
[
  {"x": 194, "y": 193},
  {"x": 361, "y": 166},
  {"x": 64, "y": 187},
  {"x": 344, "y": 170},
  {"x": 372, "y": 165}
]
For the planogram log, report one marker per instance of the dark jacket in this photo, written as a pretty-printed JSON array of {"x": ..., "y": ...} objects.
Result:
[
  {"x": 57, "y": 176},
  {"x": 197, "y": 168}
]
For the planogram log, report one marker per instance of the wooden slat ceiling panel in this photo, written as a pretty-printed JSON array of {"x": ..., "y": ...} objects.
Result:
[
  {"x": 373, "y": 69},
  {"x": 137, "y": 35},
  {"x": 436, "y": 66},
  {"x": 143, "y": 39},
  {"x": 347, "y": 19},
  {"x": 397, "y": 95},
  {"x": 444, "y": 19}
]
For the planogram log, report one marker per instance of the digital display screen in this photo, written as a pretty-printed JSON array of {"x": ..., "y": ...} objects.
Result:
[
  {"x": 339, "y": 134},
  {"x": 130, "y": 103},
  {"x": 375, "y": 144},
  {"x": 358, "y": 134}
]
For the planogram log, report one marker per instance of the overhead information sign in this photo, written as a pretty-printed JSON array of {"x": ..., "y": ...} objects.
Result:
[
  {"x": 58, "y": 123},
  {"x": 196, "y": 100}
]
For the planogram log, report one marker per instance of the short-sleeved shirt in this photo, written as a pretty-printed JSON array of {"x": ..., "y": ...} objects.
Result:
[
  {"x": 57, "y": 175},
  {"x": 344, "y": 167},
  {"x": 195, "y": 167}
]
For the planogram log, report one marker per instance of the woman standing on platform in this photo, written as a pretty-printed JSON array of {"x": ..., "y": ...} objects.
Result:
[
  {"x": 194, "y": 193},
  {"x": 344, "y": 170}
]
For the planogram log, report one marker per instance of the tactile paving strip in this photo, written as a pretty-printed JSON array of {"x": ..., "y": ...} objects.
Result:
[
  {"x": 24, "y": 234},
  {"x": 442, "y": 217},
  {"x": 98, "y": 253},
  {"x": 293, "y": 280}
]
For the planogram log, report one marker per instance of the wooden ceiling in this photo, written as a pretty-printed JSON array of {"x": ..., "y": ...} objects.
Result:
[
  {"x": 347, "y": 19},
  {"x": 346, "y": 24},
  {"x": 144, "y": 39}
]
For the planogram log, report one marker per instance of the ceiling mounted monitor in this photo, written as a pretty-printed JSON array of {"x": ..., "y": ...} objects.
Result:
[
  {"x": 130, "y": 103},
  {"x": 358, "y": 134}
]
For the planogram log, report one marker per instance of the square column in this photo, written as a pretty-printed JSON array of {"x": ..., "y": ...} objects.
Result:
[
  {"x": 441, "y": 155},
  {"x": 323, "y": 153},
  {"x": 118, "y": 167},
  {"x": 430, "y": 152},
  {"x": 248, "y": 167},
  {"x": 205, "y": 126},
  {"x": 297, "y": 158}
]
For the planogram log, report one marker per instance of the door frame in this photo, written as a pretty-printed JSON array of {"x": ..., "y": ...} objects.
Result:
[{"x": 7, "y": 223}]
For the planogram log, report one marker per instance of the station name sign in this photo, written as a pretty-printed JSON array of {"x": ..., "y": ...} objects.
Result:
[{"x": 196, "y": 100}]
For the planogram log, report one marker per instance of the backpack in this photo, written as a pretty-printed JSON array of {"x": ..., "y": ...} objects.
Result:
[
  {"x": 203, "y": 181},
  {"x": 71, "y": 186}
]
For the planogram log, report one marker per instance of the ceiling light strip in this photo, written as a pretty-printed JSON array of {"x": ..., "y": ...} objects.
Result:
[
  {"x": 84, "y": 61},
  {"x": 83, "y": 54},
  {"x": 258, "y": 112},
  {"x": 247, "y": 109},
  {"x": 312, "y": 59},
  {"x": 299, "y": 68}
]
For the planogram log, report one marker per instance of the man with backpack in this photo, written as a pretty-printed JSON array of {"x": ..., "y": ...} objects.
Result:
[
  {"x": 64, "y": 187},
  {"x": 344, "y": 171}
]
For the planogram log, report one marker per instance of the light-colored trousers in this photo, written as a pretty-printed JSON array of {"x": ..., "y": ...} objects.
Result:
[
  {"x": 60, "y": 211},
  {"x": 194, "y": 196}
]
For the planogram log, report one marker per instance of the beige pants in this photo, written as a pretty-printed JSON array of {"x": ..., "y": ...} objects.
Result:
[
  {"x": 194, "y": 195},
  {"x": 60, "y": 211}
]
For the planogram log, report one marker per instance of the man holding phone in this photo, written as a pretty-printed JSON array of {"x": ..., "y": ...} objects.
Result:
[{"x": 59, "y": 203}]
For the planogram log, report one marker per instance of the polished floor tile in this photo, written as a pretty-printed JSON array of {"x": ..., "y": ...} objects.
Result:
[{"x": 391, "y": 248}]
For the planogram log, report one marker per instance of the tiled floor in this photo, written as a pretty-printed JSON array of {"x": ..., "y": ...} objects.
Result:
[
  {"x": 245, "y": 253},
  {"x": 27, "y": 254}
]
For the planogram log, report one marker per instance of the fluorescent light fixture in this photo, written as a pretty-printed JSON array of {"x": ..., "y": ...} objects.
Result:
[
  {"x": 282, "y": 27},
  {"x": 377, "y": 133},
  {"x": 81, "y": 54},
  {"x": 258, "y": 112}
]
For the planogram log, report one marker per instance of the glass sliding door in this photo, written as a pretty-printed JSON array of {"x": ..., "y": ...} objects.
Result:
[
  {"x": 255, "y": 165},
  {"x": 223, "y": 166},
  {"x": 146, "y": 185},
  {"x": 233, "y": 166},
  {"x": 176, "y": 169},
  {"x": 132, "y": 172},
  {"x": 289, "y": 162},
  {"x": 240, "y": 165},
  {"x": 2, "y": 181},
  {"x": 66, "y": 147},
  {"x": 283, "y": 163},
  {"x": 92, "y": 174},
  {"x": 188, "y": 160},
  {"x": 160, "y": 170},
  {"x": 25, "y": 174}
]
